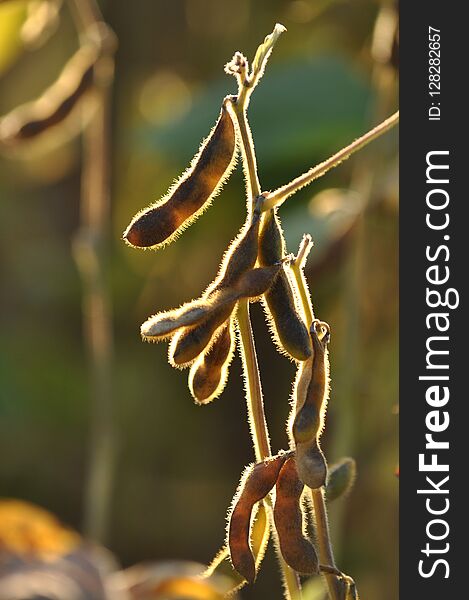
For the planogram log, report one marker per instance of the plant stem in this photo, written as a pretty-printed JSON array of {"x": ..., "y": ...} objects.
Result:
[
  {"x": 247, "y": 149},
  {"x": 259, "y": 430},
  {"x": 90, "y": 254},
  {"x": 254, "y": 398},
  {"x": 258, "y": 423},
  {"x": 326, "y": 554},
  {"x": 279, "y": 196}
]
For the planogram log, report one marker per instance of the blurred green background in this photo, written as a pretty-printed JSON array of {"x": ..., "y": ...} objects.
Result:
[{"x": 331, "y": 77}]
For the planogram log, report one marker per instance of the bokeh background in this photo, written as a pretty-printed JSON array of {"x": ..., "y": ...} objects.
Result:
[{"x": 331, "y": 77}]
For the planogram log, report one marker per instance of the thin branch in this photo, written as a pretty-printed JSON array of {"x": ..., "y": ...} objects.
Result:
[
  {"x": 326, "y": 554},
  {"x": 279, "y": 196},
  {"x": 247, "y": 150},
  {"x": 255, "y": 402}
]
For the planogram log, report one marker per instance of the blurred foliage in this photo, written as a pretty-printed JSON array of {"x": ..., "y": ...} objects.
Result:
[{"x": 178, "y": 464}]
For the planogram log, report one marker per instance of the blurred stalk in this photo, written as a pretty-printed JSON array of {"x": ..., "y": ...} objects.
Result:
[
  {"x": 367, "y": 167},
  {"x": 90, "y": 250}
]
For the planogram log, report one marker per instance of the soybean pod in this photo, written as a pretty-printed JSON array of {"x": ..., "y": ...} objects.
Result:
[
  {"x": 289, "y": 331},
  {"x": 209, "y": 373},
  {"x": 256, "y": 483},
  {"x": 297, "y": 550},
  {"x": 161, "y": 222},
  {"x": 311, "y": 390},
  {"x": 188, "y": 343}
]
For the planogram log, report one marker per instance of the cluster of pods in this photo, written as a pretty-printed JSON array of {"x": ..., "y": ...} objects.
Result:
[
  {"x": 201, "y": 334},
  {"x": 255, "y": 265}
]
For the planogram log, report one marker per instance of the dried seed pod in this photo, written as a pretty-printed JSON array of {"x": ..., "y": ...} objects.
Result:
[
  {"x": 311, "y": 405},
  {"x": 341, "y": 479},
  {"x": 242, "y": 253},
  {"x": 310, "y": 401},
  {"x": 56, "y": 103},
  {"x": 256, "y": 282},
  {"x": 188, "y": 343},
  {"x": 311, "y": 464},
  {"x": 288, "y": 329},
  {"x": 164, "y": 324},
  {"x": 297, "y": 550},
  {"x": 162, "y": 221},
  {"x": 208, "y": 375},
  {"x": 256, "y": 483}
]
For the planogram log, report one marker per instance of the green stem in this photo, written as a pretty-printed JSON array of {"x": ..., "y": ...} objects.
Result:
[{"x": 279, "y": 196}]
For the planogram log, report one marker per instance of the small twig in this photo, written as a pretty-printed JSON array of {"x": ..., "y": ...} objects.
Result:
[{"x": 279, "y": 196}]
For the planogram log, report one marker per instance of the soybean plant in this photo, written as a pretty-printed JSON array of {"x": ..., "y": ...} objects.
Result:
[{"x": 280, "y": 494}]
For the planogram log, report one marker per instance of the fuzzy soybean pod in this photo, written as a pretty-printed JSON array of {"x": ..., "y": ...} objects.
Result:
[
  {"x": 208, "y": 375},
  {"x": 310, "y": 404},
  {"x": 256, "y": 483},
  {"x": 188, "y": 343},
  {"x": 297, "y": 550},
  {"x": 288, "y": 329},
  {"x": 256, "y": 282},
  {"x": 242, "y": 253},
  {"x": 161, "y": 222},
  {"x": 311, "y": 407}
]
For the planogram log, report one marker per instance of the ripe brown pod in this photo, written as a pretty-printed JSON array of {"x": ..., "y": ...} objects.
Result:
[
  {"x": 311, "y": 464},
  {"x": 162, "y": 221},
  {"x": 311, "y": 396},
  {"x": 256, "y": 282},
  {"x": 242, "y": 253},
  {"x": 256, "y": 483},
  {"x": 208, "y": 375},
  {"x": 188, "y": 343},
  {"x": 288, "y": 329},
  {"x": 297, "y": 550},
  {"x": 164, "y": 324}
]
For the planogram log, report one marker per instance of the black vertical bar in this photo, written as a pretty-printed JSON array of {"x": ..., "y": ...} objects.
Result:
[{"x": 433, "y": 568}]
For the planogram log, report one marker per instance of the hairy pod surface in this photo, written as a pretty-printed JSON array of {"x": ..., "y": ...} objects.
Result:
[
  {"x": 161, "y": 222},
  {"x": 208, "y": 375},
  {"x": 256, "y": 483},
  {"x": 311, "y": 464},
  {"x": 288, "y": 328},
  {"x": 166, "y": 323},
  {"x": 297, "y": 550},
  {"x": 241, "y": 255},
  {"x": 312, "y": 387},
  {"x": 341, "y": 478},
  {"x": 255, "y": 282},
  {"x": 188, "y": 343}
]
